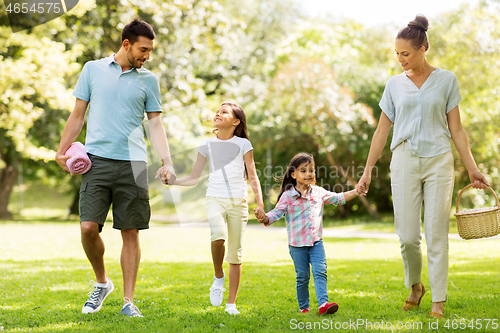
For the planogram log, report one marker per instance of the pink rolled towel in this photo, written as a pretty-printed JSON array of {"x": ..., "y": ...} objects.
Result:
[{"x": 79, "y": 163}]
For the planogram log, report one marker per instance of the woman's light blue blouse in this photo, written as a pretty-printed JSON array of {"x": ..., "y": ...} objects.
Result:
[{"x": 419, "y": 115}]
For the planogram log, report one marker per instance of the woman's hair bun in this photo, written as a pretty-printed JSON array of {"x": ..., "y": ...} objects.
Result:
[
  {"x": 416, "y": 32},
  {"x": 420, "y": 22}
]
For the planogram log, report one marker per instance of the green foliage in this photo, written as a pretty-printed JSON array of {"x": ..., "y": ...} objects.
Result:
[
  {"x": 358, "y": 61},
  {"x": 32, "y": 80},
  {"x": 467, "y": 42},
  {"x": 325, "y": 87},
  {"x": 306, "y": 85},
  {"x": 34, "y": 102}
]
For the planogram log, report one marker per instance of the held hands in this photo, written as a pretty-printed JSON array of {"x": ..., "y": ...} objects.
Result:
[
  {"x": 166, "y": 174},
  {"x": 261, "y": 215},
  {"x": 360, "y": 190},
  {"x": 478, "y": 180},
  {"x": 363, "y": 185},
  {"x": 349, "y": 195}
]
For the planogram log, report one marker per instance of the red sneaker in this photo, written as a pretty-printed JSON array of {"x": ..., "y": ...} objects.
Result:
[
  {"x": 328, "y": 308},
  {"x": 305, "y": 310}
]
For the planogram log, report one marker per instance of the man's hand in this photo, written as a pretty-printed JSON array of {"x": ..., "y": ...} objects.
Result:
[{"x": 61, "y": 159}]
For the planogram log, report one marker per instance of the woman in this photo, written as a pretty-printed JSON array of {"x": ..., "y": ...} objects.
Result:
[{"x": 422, "y": 104}]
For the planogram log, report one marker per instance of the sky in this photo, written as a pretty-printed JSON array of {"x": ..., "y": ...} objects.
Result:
[{"x": 377, "y": 12}]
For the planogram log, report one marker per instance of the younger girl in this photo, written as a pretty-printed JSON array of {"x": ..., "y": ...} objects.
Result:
[
  {"x": 302, "y": 204},
  {"x": 230, "y": 158}
]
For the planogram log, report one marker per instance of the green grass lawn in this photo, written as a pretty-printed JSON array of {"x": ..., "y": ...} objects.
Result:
[{"x": 44, "y": 280}]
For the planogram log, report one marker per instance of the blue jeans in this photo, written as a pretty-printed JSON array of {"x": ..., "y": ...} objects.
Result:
[{"x": 302, "y": 257}]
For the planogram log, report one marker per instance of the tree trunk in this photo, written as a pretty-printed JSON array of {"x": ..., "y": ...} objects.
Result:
[
  {"x": 74, "y": 209},
  {"x": 7, "y": 180}
]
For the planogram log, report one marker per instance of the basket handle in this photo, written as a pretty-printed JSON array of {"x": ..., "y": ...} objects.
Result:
[{"x": 466, "y": 187}]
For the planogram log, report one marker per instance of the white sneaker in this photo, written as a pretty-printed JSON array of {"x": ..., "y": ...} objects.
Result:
[
  {"x": 232, "y": 310},
  {"x": 216, "y": 295}
]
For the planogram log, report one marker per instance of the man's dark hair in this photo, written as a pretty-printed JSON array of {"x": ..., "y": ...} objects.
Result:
[{"x": 135, "y": 29}]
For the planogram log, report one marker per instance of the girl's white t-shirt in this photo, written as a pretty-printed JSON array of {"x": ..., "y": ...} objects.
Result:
[{"x": 227, "y": 177}]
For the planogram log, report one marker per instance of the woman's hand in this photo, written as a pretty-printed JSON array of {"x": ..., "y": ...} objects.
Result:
[
  {"x": 478, "y": 180},
  {"x": 363, "y": 184},
  {"x": 360, "y": 190}
]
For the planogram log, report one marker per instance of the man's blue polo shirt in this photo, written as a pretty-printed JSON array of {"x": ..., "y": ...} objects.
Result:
[{"x": 117, "y": 102}]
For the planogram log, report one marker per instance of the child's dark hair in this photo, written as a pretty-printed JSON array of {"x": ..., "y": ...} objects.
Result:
[
  {"x": 416, "y": 32},
  {"x": 241, "y": 129},
  {"x": 136, "y": 29},
  {"x": 288, "y": 182}
]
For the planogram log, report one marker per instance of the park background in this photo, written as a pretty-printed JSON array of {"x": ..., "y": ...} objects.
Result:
[{"x": 306, "y": 84}]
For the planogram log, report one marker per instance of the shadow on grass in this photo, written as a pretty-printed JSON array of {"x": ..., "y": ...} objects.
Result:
[{"x": 47, "y": 296}]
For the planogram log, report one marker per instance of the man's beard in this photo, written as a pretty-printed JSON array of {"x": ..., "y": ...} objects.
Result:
[{"x": 131, "y": 62}]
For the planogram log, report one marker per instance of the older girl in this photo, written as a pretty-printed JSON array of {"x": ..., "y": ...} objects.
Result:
[{"x": 230, "y": 157}]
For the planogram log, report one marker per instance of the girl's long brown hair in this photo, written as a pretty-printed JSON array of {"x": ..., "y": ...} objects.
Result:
[{"x": 240, "y": 130}]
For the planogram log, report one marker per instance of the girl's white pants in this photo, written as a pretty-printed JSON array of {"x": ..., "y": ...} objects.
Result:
[
  {"x": 427, "y": 182},
  {"x": 228, "y": 218}
]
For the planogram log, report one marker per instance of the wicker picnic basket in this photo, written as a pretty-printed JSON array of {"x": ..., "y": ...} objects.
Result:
[{"x": 478, "y": 222}]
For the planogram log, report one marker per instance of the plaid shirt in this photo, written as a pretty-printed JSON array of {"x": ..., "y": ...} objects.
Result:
[{"x": 304, "y": 215}]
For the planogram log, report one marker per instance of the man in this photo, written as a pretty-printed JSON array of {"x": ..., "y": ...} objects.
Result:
[{"x": 117, "y": 91}]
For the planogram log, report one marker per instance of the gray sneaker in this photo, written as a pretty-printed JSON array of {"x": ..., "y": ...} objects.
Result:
[
  {"x": 129, "y": 309},
  {"x": 97, "y": 297}
]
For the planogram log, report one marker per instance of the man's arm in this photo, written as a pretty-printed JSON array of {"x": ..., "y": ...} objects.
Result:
[
  {"x": 71, "y": 130},
  {"x": 160, "y": 143}
]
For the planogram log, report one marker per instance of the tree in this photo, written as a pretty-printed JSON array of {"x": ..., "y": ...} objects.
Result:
[
  {"x": 305, "y": 99},
  {"x": 32, "y": 81},
  {"x": 467, "y": 42},
  {"x": 194, "y": 58},
  {"x": 361, "y": 60},
  {"x": 296, "y": 78},
  {"x": 317, "y": 84}
]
